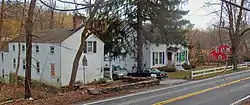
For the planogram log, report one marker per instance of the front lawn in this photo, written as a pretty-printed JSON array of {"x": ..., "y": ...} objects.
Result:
[{"x": 179, "y": 75}]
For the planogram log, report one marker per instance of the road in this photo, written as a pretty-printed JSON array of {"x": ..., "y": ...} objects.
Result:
[{"x": 222, "y": 90}]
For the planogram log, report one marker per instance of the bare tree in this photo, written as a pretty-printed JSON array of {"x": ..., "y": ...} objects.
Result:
[
  {"x": 236, "y": 26},
  {"x": 28, "y": 29}
]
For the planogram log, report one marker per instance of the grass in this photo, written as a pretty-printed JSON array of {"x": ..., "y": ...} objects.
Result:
[
  {"x": 179, "y": 75},
  {"x": 221, "y": 73},
  {"x": 186, "y": 74}
]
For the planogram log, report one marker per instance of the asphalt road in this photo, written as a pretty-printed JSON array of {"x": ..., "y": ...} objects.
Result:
[{"x": 222, "y": 90}]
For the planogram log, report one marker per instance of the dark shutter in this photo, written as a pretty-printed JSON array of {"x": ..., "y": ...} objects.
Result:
[
  {"x": 85, "y": 47},
  {"x": 163, "y": 56},
  {"x": 94, "y": 45},
  {"x": 153, "y": 58}
]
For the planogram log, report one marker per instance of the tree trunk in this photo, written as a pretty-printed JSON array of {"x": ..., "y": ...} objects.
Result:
[
  {"x": 1, "y": 21},
  {"x": 234, "y": 54},
  {"x": 139, "y": 37},
  {"x": 51, "y": 24},
  {"x": 77, "y": 59},
  {"x": 82, "y": 45},
  {"x": 28, "y": 29}
]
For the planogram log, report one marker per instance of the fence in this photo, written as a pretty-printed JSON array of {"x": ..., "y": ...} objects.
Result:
[{"x": 215, "y": 70}]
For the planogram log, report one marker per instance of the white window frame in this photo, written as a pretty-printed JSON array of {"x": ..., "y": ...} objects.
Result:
[
  {"x": 24, "y": 65},
  {"x": 37, "y": 48},
  {"x": 23, "y": 48},
  {"x": 14, "y": 63},
  {"x": 160, "y": 57},
  {"x": 90, "y": 46},
  {"x": 156, "y": 58},
  {"x": 52, "y": 50},
  {"x": 38, "y": 66},
  {"x": 14, "y": 47}
]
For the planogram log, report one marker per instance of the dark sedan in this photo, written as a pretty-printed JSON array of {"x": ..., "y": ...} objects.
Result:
[{"x": 150, "y": 72}]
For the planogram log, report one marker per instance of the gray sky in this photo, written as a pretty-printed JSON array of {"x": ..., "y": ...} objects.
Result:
[
  {"x": 199, "y": 11},
  {"x": 198, "y": 14}
]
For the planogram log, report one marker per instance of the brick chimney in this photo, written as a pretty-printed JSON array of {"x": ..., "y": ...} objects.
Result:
[{"x": 74, "y": 21}]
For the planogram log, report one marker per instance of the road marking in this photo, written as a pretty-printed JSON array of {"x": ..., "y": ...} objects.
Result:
[
  {"x": 174, "y": 86},
  {"x": 199, "y": 92},
  {"x": 239, "y": 101}
]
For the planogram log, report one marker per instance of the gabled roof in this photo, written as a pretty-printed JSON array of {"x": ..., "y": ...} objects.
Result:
[
  {"x": 4, "y": 47},
  {"x": 174, "y": 49},
  {"x": 49, "y": 35}
]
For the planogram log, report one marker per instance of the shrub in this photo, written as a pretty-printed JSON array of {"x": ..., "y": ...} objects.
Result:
[
  {"x": 193, "y": 66},
  {"x": 186, "y": 66},
  {"x": 167, "y": 68},
  {"x": 246, "y": 59}
]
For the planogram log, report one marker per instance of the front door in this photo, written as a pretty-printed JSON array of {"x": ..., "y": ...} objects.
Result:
[{"x": 169, "y": 54}]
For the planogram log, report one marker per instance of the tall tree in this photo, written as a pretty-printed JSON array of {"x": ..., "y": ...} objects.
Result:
[
  {"x": 28, "y": 29},
  {"x": 236, "y": 25}
]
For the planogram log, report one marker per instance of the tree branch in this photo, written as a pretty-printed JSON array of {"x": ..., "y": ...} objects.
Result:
[
  {"x": 87, "y": 6},
  {"x": 235, "y": 5},
  {"x": 243, "y": 32}
]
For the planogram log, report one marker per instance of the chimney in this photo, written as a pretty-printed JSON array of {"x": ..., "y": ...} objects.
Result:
[{"x": 74, "y": 21}]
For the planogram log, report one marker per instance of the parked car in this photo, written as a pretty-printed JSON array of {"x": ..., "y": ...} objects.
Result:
[
  {"x": 117, "y": 72},
  {"x": 150, "y": 72}
]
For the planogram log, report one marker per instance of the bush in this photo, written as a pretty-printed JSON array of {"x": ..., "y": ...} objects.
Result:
[
  {"x": 167, "y": 68},
  {"x": 246, "y": 59},
  {"x": 193, "y": 66},
  {"x": 186, "y": 66}
]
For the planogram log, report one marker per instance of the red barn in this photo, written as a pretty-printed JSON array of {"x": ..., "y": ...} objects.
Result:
[{"x": 220, "y": 53}]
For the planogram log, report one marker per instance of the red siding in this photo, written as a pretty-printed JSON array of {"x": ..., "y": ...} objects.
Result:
[{"x": 222, "y": 52}]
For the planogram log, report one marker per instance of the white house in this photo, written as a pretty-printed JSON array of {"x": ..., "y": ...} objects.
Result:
[
  {"x": 53, "y": 52},
  {"x": 156, "y": 53},
  {"x": 4, "y": 72}
]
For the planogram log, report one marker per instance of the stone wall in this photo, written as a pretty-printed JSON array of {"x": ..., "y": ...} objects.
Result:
[{"x": 136, "y": 85}]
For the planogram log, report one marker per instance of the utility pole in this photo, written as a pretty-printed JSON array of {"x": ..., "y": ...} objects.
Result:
[{"x": 139, "y": 37}]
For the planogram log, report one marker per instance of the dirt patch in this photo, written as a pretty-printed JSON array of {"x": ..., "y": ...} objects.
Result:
[
  {"x": 10, "y": 92},
  {"x": 81, "y": 94}
]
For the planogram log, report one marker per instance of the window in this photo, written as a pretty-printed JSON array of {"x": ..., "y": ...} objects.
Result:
[
  {"x": 2, "y": 57},
  {"x": 38, "y": 66},
  {"x": 156, "y": 58},
  {"x": 23, "y": 48},
  {"x": 52, "y": 67},
  {"x": 220, "y": 57},
  {"x": 3, "y": 73},
  {"x": 13, "y": 47},
  {"x": 228, "y": 49},
  {"x": 24, "y": 65},
  {"x": 37, "y": 48},
  {"x": 90, "y": 46},
  {"x": 52, "y": 49},
  {"x": 14, "y": 63},
  {"x": 160, "y": 57}
]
